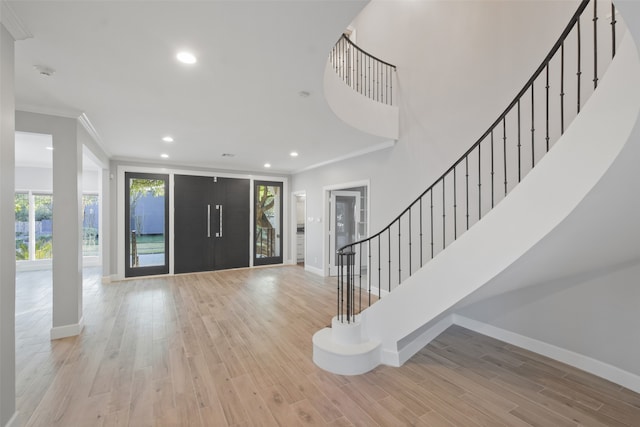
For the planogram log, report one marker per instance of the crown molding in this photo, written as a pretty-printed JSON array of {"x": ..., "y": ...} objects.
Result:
[
  {"x": 93, "y": 133},
  {"x": 377, "y": 147},
  {"x": 49, "y": 111},
  {"x": 13, "y": 23},
  {"x": 69, "y": 114}
]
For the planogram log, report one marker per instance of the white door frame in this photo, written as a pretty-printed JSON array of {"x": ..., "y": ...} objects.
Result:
[
  {"x": 294, "y": 226},
  {"x": 333, "y": 270},
  {"x": 326, "y": 191}
]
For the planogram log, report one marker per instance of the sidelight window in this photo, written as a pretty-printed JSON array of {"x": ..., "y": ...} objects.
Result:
[
  {"x": 147, "y": 225},
  {"x": 268, "y": 223}
]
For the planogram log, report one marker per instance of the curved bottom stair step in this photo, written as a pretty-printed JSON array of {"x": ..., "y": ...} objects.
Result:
[{"x": 341, "y": 350}]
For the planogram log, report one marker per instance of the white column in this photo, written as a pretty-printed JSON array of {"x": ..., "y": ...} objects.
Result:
[
  {"x": 67, "y": 230},
  {"x": 7, "y": 231},
  {"x": 67, "y": 217}
]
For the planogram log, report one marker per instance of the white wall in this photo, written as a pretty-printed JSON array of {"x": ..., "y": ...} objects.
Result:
[
  {"x": 357, "y": 110},
  {"x": 41, "y": 179},
  {"x": 594, "y": 316},
  {"x": 450, "y": 90}
]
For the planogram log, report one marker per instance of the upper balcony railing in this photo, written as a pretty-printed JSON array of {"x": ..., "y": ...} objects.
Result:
[
  {"x": 363, "y": 72},
  {"x": 489, "y": 169}
]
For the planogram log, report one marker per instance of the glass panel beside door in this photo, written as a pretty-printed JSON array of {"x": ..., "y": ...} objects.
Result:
[
  {"x": 268, "y": 223},
  {"x": 146, "y": 224}
]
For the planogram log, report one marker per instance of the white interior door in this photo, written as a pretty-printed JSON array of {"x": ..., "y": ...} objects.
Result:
[{"x": 343, "y": 225}]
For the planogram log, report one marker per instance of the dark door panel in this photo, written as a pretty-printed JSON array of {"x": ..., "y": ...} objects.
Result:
[
  {"x": 211, "y": 223},
  {"x": 193, "y": 246},
  {"x": 232, "y": 234}
]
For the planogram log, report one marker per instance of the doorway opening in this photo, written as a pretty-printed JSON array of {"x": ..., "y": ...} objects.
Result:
[
  {"x": 348, "y": 216},
  {"x": 299, "y": 221}
]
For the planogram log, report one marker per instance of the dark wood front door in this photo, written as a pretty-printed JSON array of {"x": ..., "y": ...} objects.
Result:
[{"x": 211, "y": 226}]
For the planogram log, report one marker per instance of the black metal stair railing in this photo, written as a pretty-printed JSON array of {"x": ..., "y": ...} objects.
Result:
[
  {"x": 363, "y": 72},
  {"x": 488, "y": 170}
]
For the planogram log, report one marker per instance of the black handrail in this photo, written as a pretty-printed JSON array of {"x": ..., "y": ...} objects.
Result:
[
  {"x": 363, "y": 72},
  {"x": 348, "y": 40},
  {"x": 499, "y": 128}
]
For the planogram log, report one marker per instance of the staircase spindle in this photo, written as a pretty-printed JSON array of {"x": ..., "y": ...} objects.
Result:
[
  {"x": 595, "y": 44},
  {"x": 421, "y": 241},
  {"x": 479, "y": 182},
  {"x": 431, "y": 194},
  {"x": 546, "y": 138},
  {"x": 613, "y": 30},
  {"x": 492, "y": 172},
  {"x": 504, "y": 149},
  {"x": 579, "y": 72},
  {"x": 444, "y": 215},
  {"x": 466, "y": 174},
  {"x": 533, "y": 127},
  {"x": 562, "y": 89},
  {"x": 519, "y": 145},
  {"x": 455, "y": 206}
]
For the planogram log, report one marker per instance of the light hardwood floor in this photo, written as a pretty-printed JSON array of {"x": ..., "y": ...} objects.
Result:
[{"x": 233, "y": 348}]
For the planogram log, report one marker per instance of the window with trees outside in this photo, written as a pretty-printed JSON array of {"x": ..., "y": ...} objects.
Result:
[
  {"x": 147, "y": 224},
  {"x": 268, "y": 223},
  {"x": 34, "y": 225},
  {"x": 22, "y": 226},
  {"x": 90, "y": 237}
]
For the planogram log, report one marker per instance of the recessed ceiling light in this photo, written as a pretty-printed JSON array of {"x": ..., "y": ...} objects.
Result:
[
  {"x": 186, "y": 57},
  {"x": 164, "y": 155},
  {"x": 267, "y": 165},
  {"x": 49, "y": 148},
  {"x": 293, "y": 154},
  {"x": 167, "y": 139}
]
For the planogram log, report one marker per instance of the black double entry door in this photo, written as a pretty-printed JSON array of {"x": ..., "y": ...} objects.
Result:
[{"x": 211, "y": 223}]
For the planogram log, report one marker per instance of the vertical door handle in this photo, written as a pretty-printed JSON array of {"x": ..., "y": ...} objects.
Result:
[
  {"x": 219, "y": 233},
  {"x": 208, "y": 220}
]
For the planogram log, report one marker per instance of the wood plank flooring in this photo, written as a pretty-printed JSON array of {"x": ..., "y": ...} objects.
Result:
[{"x": 233, "y": 348}]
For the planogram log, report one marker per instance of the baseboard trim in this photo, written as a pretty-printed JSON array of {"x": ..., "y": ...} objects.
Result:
[
  {"x": 13, "y": 422},
  {"x": 65, "y": 331},
  {"x": 425, "y": 338},
  {"x": 390, "y": 358},
  {"x": 314, "y": 270},
  {"x": 593, "y": 366},
  {"x": 396, "y": 358}
]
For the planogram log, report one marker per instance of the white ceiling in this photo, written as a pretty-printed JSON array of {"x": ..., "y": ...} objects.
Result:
[
  {"x": 35, "y": 150},
  {"x": 115, "y": 62}
]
